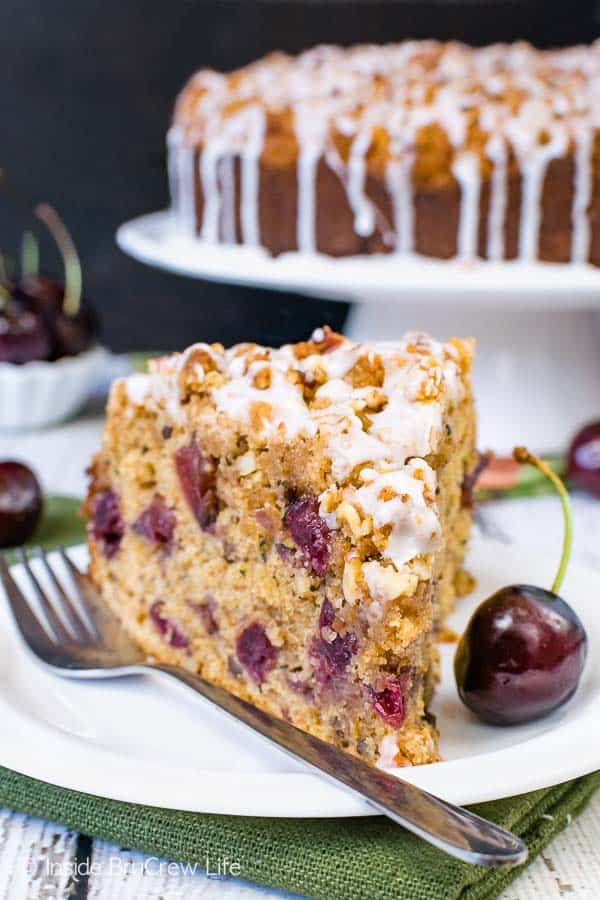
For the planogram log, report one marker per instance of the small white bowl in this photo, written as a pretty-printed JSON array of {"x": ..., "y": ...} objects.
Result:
[{"x": 41, "y": 393}]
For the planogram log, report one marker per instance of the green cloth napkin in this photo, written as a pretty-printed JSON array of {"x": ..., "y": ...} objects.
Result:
[
  {"x": 332, "y": 859},
  {"x": 60, "y": 525}
]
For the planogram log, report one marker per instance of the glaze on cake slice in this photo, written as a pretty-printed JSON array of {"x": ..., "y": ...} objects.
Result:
[{"x": 291, "y": 523}]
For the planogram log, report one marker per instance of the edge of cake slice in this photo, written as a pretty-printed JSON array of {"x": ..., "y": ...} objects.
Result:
[{"x": 291, "y": 523}]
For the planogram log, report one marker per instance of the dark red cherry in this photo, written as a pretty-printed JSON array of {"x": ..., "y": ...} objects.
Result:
[
  {"x": 21, "y": 503},
  {"x": 42, "y": 292},
  {"x": 75, "y": 333},
  {"x": 523, "y": 652},
  {"x": 521, "y": 656},
  {"x": 70, "y": 334},
  {"x": 583, "y": 459},
  {"x": 23, "y": 336},
  {"x": 38, "y": 291},
  {"x": 74, "y": 326}
]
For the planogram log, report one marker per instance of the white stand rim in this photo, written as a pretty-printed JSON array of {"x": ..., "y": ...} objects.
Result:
[{"x": 155, "y": 240}]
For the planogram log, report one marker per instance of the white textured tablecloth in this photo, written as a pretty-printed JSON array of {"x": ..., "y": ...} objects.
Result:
[{"x": 570, "y": 866}]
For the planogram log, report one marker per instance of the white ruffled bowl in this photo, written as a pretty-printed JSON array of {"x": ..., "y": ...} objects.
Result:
[{"x": 40, "y": 393}]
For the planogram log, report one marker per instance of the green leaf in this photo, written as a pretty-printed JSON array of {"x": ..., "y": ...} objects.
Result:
[
  {"x": 60, "y": 525},
  {"x": 529, "y": 483},
  {"x": 140, "y": 360}
]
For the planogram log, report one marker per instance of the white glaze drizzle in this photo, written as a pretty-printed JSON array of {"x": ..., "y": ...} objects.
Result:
[
  {"x": 361, "y": 206},
  {"x": 310, "y": 126},
  {"x": 465, "y": 169},
  {"x": 414, "y": 520},
  {"x": 183, "y": 179},
  {"x": 399, "y": 185},
  {"x": 497, "y": 153},
  {"x": 173, "y": 138},
  {"x": 533, "y": 174},
  {"x": 210, "y": 160},
  {"x": 333, "y": 89},
  {"x": 227, "y": 185},
  {"x": 524, "y": 131},
  {"x": 251, "y": 152},
  {"x": 582, "y": 193}
]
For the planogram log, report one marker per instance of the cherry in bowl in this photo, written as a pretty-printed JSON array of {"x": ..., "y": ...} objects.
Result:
[
  {"x": 72, "y": 324},
  {"x": 23, "y": 336},
  {"x": 524, "y": 649}
]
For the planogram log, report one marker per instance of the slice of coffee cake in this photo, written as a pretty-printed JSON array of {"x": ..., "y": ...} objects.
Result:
[{"x": 290, "y": 523}]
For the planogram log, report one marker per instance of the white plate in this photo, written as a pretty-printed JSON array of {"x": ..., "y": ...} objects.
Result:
[
  {"x": 153, "y": 239},
  {"x": 136, "y": 740}
]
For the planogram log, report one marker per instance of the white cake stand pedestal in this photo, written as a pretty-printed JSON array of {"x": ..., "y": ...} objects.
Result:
[{"x": 537, "y": 374}]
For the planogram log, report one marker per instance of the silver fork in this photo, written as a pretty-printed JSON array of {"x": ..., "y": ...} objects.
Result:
[{"x": 84, "y": 639}]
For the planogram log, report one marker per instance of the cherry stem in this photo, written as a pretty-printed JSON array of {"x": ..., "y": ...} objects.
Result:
[
  {"x": 523, "y": 456},
  {"x": 30, "y": 255},
  {"x": 72, "y": 297}
]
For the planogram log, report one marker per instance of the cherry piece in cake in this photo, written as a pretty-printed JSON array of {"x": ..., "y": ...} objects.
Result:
[
  {"x": 309, "y": 531},
  {"x": 167, "y": 627},
  {"x": 256, "y": 652},
  {"x": 197, "y": 478},
  {"x": 107, "y": 525},
  {"x": 206, "y": 610},
  {"x": 389, "y": 703},
  {"x": 157, "y": 524},
  {"x": 331, "y": 652}
]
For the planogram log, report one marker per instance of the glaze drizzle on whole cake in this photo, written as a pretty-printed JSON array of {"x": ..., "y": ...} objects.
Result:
[{"x": 418, "y": 118}]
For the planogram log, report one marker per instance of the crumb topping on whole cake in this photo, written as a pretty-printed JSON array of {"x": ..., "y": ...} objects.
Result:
[{"x": 414, "y": 113}]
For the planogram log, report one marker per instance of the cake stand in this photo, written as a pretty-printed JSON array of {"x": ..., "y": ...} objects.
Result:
[{"x": 537, "y": 325}]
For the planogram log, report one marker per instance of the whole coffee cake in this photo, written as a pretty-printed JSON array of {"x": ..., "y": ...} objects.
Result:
[
  {"x": 290, "y": 523},
  {"x": 435, "y": 148}
]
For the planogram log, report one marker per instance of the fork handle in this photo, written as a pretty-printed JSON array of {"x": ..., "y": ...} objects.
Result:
[{"x": 457, "y": 831}]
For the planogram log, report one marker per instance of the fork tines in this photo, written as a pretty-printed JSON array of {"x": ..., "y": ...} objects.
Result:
[{"x": 67, "y": 620}]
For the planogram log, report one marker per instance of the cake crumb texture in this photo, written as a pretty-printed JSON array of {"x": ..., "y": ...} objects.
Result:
[{"x": 291, "y": 523}]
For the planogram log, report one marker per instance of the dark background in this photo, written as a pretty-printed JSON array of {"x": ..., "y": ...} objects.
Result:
[{"x": 86, "y": 94}]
